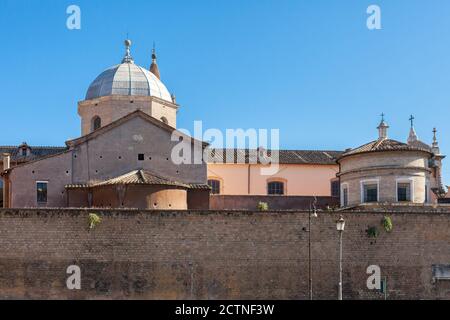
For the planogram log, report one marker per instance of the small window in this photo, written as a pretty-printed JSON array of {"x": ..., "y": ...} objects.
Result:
[
  {"x": 404, "y": 192},
  {"x": 24, "y": 152},
  {"x": 440, "y": 272},
  {"x": 96, "y": 123},
  {"x": 344, "y": 196},
  {"x": 41, "y": 188},
  {"x": 141, "y": 157},
  {"x": 215, "y": 186},
  {"x": 370, "y": 192},
  {"x": 426, "y": 193},
  {"x": 335, "y": 188},
  {"x": 275, "y": 188}
]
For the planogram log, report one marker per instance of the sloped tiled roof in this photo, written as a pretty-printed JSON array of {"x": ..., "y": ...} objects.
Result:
[
  {"x": 36, "y": 152},
  {"x": 285, "y": 156},
  {"x": 387, "y": 145},
  {"x": 139, "y": 177}
]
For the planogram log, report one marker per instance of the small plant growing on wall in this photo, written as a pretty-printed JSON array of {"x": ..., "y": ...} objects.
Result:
[
  {"x": 263, "y": 206},
  {"x": 94, "y": 220},
  {"x": 387, "y": 223},
  {"x": 372, "y": 232}
]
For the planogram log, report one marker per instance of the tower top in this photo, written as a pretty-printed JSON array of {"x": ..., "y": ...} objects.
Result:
[
  {"x": 412, "y": 133},
  {"x": 154, "y": 66},
  {"x": 382, "y": 128}
]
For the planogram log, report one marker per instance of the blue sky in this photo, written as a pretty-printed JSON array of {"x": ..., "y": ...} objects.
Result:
[{"x": 309, "y": 68}]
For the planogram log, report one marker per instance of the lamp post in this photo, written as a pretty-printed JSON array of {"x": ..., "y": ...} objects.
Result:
[
  {"x": 340, "y": 225},
  {"x": 311, "y": 214}
]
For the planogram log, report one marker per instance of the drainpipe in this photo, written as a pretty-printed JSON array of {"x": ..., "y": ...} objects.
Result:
[
  {"x": 248, "y": 182},
  {"x": 6, "y": 166}
]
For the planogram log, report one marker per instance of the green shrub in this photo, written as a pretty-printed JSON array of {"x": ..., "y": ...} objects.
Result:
[
  {"x": 263, "y": 206},
  {"x": 372, "y": 232},
  {"x": 94, "y": 220},
  {"x": 387, "y": 224}
]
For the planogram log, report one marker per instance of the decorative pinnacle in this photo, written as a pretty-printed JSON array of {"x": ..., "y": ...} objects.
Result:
[
  {"x": 154, "y": 52},
  {"x": 382, "y": 128},
  {"x": 128, "y": 58}
]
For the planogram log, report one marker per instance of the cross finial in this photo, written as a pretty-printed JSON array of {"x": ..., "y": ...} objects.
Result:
[
  {"x": 154, "y": 52},
  {"x": 434, "y": 134},
  {"x": 382, "y": 116},
  {"x": 411, "y": 118}
]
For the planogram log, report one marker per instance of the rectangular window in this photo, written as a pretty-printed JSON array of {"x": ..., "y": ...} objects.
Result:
[
  {"x": 141, "y": 157},
  {"x": 345, "y": 197},
  {"x": 426, "y": 193},
  {"x": 370, "y": 192},
  {"x": 440, "y": 272},
  {"x": 404, "y": 191},
  {"x": 41, "y": 189},
  {"x": 275, "y": 188},
  {"x": 215, "y": 186},
  {"x": 335, "y": 188}
]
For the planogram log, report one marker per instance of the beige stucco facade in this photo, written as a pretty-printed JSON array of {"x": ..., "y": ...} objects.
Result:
[
  {"x": 299, "y": 179},
  {"x": 387, "y": 169}
]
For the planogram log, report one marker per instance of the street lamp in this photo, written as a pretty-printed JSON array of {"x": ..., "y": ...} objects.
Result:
[
  {"x": 340, "y": 225},
  {"x": 312, "y": 214}
]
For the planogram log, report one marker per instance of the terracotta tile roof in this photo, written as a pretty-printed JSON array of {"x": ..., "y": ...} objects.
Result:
[
  {"x": 387, "y": 145},
  {"x": 285, "y": 156},
  {"x": 139, "y": 177},
  {"x": 35, "y": 152}
]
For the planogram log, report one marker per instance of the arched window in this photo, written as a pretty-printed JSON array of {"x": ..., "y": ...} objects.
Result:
[
  {"x": 164, "y": 119},
  {"x": 275, "y": 188},
  {"x": 96, "y": 123},
  {"x": 215, "y": 186}
]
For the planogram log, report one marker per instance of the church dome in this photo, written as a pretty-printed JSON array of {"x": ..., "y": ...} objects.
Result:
[{"x": 127, "y": 79}]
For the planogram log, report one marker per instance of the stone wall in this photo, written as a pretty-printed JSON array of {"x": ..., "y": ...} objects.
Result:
[{"x": 217, "y": 254}]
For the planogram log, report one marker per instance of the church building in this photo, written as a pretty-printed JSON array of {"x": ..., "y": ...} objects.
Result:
[{"x": 123, "y": 159}]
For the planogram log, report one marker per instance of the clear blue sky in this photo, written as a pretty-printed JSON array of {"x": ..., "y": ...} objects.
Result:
[{"x": 310, "y": 68}]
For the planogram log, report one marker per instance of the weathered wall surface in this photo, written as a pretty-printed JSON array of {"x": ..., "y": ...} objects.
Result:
[
  {"x": 243, "y": 202},
  {"x": 106, "y": 156},
  {"x": 216, "y": 255}
]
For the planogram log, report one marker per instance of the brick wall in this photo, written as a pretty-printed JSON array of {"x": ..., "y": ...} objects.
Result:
[{"x": 217, "y": 255}]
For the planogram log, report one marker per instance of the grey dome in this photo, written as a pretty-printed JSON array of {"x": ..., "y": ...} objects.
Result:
[{"x": 127, "y": 79}]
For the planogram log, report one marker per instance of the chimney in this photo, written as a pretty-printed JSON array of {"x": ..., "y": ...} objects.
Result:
[{"x": 6, "y": 161}]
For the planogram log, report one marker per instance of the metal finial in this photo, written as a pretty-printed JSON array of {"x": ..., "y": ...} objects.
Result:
[
  {"x": 128, "y": 58},
  {"x": 382, "y": 117},
  {"x": 411, "y": 118},
  {"x": 434, "y": 135},
  {"x": 154, "y": 52}
]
